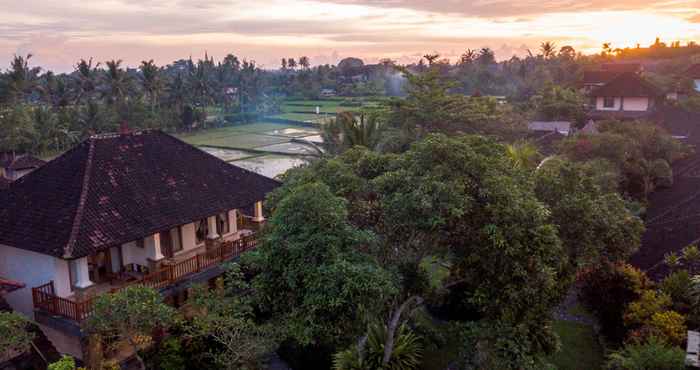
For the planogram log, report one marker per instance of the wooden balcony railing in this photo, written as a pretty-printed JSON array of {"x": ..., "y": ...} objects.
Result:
[{"x": 45, "y": 297}]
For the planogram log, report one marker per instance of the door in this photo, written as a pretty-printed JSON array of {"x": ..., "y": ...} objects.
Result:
[{"x": 166, "y": 244}]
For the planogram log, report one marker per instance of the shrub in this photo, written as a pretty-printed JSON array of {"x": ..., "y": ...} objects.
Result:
[
  {"x": 607, "y": 290},
  {"x": 407, "y": 353},
  {"x": 639, "y": 313},
  {"x": 652, "y": 355},
  {"x": 669, "y": 326},
  {"x": 677, "y": 286}
]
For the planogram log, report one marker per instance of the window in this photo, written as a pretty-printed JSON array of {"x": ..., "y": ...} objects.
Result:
[
  {"x": 201, "y": 231},
  {"x": 222, "y": 225},
  {"x": 608, "y": 102},
  {"x": 176, "y": 238}
]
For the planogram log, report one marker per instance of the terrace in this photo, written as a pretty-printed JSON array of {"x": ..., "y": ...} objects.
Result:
[{"x": 78, "y": 306}]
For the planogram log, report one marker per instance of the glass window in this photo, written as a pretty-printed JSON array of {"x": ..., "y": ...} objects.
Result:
[
  {"x": 202, "y": 229},
  {"x": 608, "y": 102},
  {"x": 222, "y": 225}
]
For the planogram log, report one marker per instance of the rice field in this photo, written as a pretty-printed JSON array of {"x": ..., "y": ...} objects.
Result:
[{"x": 263, "y": 147}]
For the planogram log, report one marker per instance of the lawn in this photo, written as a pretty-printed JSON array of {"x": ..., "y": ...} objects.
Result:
[
  {"x": 579, "y": 348},
  {"x": 240, "y": 136}
]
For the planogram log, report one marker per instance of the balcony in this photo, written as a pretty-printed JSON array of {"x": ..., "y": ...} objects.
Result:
[{"x": 173, "y": 271}]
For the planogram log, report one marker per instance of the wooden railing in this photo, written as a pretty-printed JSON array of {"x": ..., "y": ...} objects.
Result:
[{"x": 45, "y": 297}]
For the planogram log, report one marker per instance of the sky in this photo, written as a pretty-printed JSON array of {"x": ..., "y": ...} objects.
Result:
[{"x": 59, "y": 33}]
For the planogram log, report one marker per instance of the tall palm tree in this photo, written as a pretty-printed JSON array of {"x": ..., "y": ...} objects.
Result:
[
  {"x": 151, "y": 81},
  {"x": 548, "y": 49},
  {"x": 21, "y": 78},
  {"x": 86, "y": 79},
  {"x": 117, "y": 81}
]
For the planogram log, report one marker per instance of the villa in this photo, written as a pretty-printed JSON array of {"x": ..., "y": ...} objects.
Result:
[
  {"x": 122, "y": 209},
  {"x": 627, "y": 96}
]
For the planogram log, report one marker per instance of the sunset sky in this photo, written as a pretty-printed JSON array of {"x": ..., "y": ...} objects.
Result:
[{"x": 58, "y": 33}]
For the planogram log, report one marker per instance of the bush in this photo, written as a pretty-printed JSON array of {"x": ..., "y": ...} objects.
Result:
[
  {"x": 407, "y": 353},
  {"x": 607, "y": 290},
  {"x": 668, "y": 326},
  {"x": 677, "y": 286},
  {"x": 639, "y": 313},
  {"x": 653, "y": 355}
]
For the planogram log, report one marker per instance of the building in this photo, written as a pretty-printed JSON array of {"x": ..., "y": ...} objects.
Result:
[
  {"x": 121, "y": 209},
  {"x": 627, "y": 96},
  {"x": 14, "y": 166},
  {"x": 562, "y": 127}
]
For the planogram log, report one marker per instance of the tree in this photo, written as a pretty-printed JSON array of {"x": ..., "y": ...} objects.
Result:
[
  {"x": 17, "y": 131},
  {"x": 557, "y": 103},
  {"x": 653, "y": 354},
  {"x": 309, "y": 272},
  {"x": 86, "y": 76},
  {"x": 593, "y": 225},
  {"x": 304, "y": 62},
  {"x": 65, "y": 363},
  {"x": 151, "y": 81},
  {"x": 21, "y": 78},
  {"x": 346, "y": 131},
  {"x": 229, "y": 320},
  {"x": 117, "y": 81},
  {"x": 428, "y": 203},
  {"x": 130, "y": 315},
  {"x": 15, "y": 337},
  {"x": 548, "y": 49}
]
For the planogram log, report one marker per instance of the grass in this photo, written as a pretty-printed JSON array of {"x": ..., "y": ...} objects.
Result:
[{"x": 580, "y": 349}]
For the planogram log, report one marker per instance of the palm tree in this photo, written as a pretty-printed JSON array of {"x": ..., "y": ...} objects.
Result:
[
  {"x": 151, "y": 81},
  {"x": 178, "y": 92},
  {"x": 468, "y": 57},
  {"x": 548, "y": 49},
  {"x": 672, "y": 260},
  {"x": 87, "y": 75},
  {"x": 347, "y": 131},
  {"x": 691, "y": 255},
  {"x": 117, "y": 81},
  {"x": 21, "y": 79},
  {"x": 304, "y": 62},
  {"x": 523, "y": 155}
]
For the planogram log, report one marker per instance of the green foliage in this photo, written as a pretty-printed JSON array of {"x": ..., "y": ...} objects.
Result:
[
  {"x": 652, "y": 355},
  {"x": 495, "y": 345},
  {"x": 65, "y": 363},
  {"x": 677, "y": 285},
  {"x": 557, "y": 103},
  {"x": 668, "y": 326},
  {"x": 407, "y": 352},
  {"x": 606, "y": 291},
  {"x": 170, "y": 356},
  {"x": 593, "y": 225},
  {"x": 640, "y": 312},
  {"x": 641, "y": 151},
  {"x": 309, "y": 271},
  {"x": 15, "y": 336},
  {"x": 129, "y": 314}
]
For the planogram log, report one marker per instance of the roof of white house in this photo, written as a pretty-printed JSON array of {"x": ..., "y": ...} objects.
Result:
[{"x": 691, "y": 357}]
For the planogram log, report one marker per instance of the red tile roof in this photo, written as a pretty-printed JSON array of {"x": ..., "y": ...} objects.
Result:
[
  {"x": 627, "y": 84},
  {"x": 113, "y": 189},
  {"x": 598, "y": 77},
  {"x": 26, "y": 162}
]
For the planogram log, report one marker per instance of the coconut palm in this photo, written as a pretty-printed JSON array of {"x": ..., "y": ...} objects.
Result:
[
  {"x": 691, "y": 255},
  {"x": 672, "y": 260},
  {"x": 151, "y": 81},
  {"x": 369, "y": 353},
  {"x": 117, "y": 81},
  {"x": 548, "y": 49},
  {"x": 86, "y": 79},
  {"x": 523, "y": 155},
  {"x": 21, "y": 78}
]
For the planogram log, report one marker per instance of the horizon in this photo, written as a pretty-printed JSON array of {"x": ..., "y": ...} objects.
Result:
[{"x": 58, "y": 35}]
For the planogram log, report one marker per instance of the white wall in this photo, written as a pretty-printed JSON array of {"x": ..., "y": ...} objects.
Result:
[
  {"x": 629, "y": 104},
  {"x": 640, "y": 104},
  {"x": 32, "y": 269},
  {"x": 599, "y": 104},
  {"x": 133, "y": 254},
  {"x": 697, "y": 85},
  {"x": 189, "y": 239}
]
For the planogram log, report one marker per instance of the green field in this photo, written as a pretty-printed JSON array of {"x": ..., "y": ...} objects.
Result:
[
  {"x": 580, "y": 349},
  {"x": 249, "y": 136}
]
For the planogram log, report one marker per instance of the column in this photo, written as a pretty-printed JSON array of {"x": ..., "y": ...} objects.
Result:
[
  {"x": 153, "y": 247},
  {"x": 258, "y": 212},
  {"x": 233, "y": 221},
  {"x": 82, "y": 273},
  {"x": 211, "y": 225}
]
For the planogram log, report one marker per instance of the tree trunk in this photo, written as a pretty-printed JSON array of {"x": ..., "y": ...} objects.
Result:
[{"x": 391, "y": 329}]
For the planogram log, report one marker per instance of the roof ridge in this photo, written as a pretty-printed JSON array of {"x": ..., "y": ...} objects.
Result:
[{"x": 68, "y": 249}]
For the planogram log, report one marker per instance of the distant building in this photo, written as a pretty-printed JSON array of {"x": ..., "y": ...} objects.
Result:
[
  {"x": 13, "y": 166},
  {"x": 327, "y": 93},
  {"x": 562, "y": 127},
  {"x": 627, "y": 96}
]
